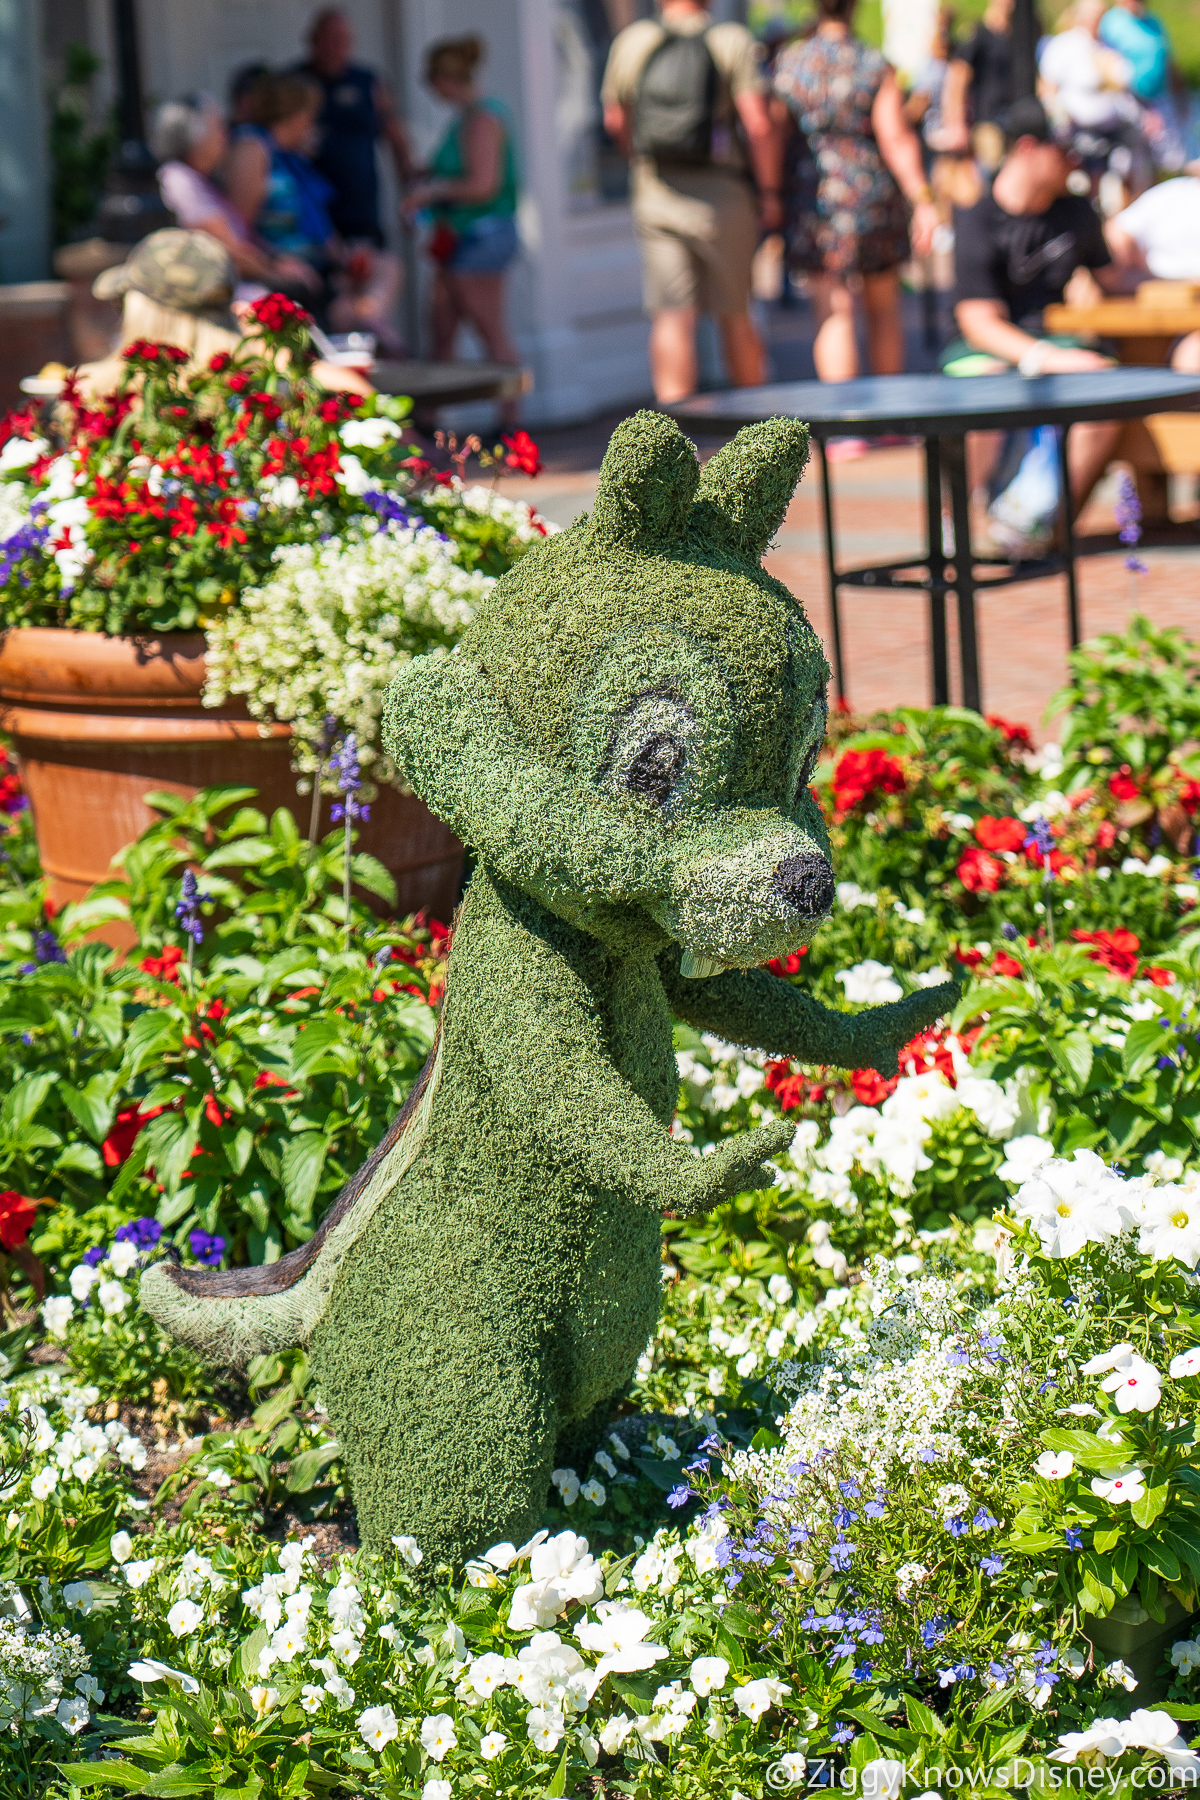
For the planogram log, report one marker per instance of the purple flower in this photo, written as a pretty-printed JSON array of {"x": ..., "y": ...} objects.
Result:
[
  {"x": 95, "y": 1256},
  {"x": 928, "y": 1453},
  {"x": 841, "y": 1554},
  {"x": 864, "y": 1671},
  {"x": 1127, "y": 510},
  {"x": 1136, "y": 566},
  {"x": 932, "y": 1632},
  {"x": 188, "y": 909},
  {"x": 1009, "y": 930},
  {"x": 1074, "y": 1537},
  {"x": 1041, "y": 837},
  {"x": 344, "y": 763},
  {"x": 206, "y": 1247},
  {"x": 47, "y": 948},
  {"x": 383, "y": 957},
  {"x": 850, "y": 1488},
  {"x": 680, "y": 1495},
  {"x": 1046, "y": 1387},
  {"x": 957, "y": 1527},
  {"x": 145, "y": 1233},
  {"x": 875, "y": 1509},
  {"x": 992, "y": 1565},
  {"x": 841, "y": 1733},
  {"x": 712, "y": 1442},
  {"x": 29, "y": 540},
  {"x": 388, "y": 509}
]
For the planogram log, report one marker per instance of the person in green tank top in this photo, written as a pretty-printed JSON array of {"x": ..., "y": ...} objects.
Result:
[{"x": 471, "y": 198}]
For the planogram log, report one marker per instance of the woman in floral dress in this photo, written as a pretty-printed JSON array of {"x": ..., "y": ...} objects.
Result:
[{"x": 846, "y": 101}]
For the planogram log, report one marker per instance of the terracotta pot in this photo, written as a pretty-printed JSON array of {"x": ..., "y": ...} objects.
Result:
[{"x": 98, "y": 722}]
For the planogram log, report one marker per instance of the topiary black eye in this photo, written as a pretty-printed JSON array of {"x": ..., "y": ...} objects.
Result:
[{"x": 655, "y": 769}]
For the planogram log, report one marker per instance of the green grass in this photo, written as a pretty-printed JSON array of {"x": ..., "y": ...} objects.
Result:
[{"x": 1181, "y": 18}]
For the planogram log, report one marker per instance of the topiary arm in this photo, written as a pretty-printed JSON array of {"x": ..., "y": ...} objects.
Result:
[
  {"x": 757, "y": 1008},
  {"x": 589, "y": 1121}
]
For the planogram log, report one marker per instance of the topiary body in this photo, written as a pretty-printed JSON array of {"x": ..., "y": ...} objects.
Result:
[{"x": 625, "y": 738}]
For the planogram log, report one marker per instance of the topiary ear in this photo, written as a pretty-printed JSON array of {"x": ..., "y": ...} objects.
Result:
[
  {"x": 647, "y": 481},
  {"x": 745, "y": 489}
]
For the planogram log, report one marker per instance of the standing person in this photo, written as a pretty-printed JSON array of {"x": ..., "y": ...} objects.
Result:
[
  {"x": 685, "y": 100},
  {"x": 272, "y": 180},
  {"x": 979, "y": 89},
  {"x": 356, "y": 110},
  {"x": 848, "y": 104},
  {"x": 1131, "y": 29},
  {"x": 472, "y": 195}
]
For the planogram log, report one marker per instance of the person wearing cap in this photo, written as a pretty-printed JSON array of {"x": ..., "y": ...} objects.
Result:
[
  {"x": 1015, "y": 251},
  {"x": 177, "y": 287}
]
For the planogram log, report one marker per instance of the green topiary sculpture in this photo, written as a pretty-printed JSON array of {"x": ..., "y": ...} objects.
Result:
[{"x": 625, "y": 738}]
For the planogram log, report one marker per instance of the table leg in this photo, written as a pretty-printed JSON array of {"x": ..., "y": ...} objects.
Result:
[
  {"x": 937, "y": 572},
  {"x": 954, "y": 461},
  {"x": 1068, "y": 524},
  {"x": 839, "y": 667}
]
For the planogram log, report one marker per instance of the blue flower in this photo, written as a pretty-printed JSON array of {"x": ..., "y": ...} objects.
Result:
[
  {"x": 206, "y": 1247},
  {"x": 932, "y": 1632},
  {"x": 964, "y": 1672},
  {"x": 344, "y": 763},
  {"x": 841, "y": 1733},
  {"x": 47, "y": 948},
  {"x": 95, "y": 1256},
  {"x": 992, "y": 1565},
  {"x": 841, "y": 1554},
  {"x": 844, "y": 1517},
  {"x": 679, "y": 1496},
  {"x": 851, "y": 1488},
  {"x": 983, "y": 1520},
  {"x": 875, "y": 1509},
  {"x": 872, "y": 1635},
  {"x": 928, "y": 1453},
  {"x": 1046, "y": 1387},
  {"x": 711, "y": 1443},
  {"x": 864, "y": 1671},
  {"x": 1127, "y": 509},
  {"x": 957, "y": 1527},
  {"x": 145, "y": 1233},
  {"x": 188, "y": 909},
  {"x": 1074, "y": 1537},
  {"x": 846, "y": 1647}
]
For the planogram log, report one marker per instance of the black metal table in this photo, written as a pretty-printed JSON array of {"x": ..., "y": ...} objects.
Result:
[{"x": 941, "y": 409}]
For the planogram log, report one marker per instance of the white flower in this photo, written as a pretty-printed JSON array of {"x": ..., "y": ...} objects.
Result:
[
  {"x": 264, "y": 1700},
  {"x": 618, "y": 1635},
  {"x": 351, "y": 475},
  {"x": 369, "y": 434},
  {"x": 1170, "y": 1226},
  {"x": 83, "y": 1279},
  {"x": 184, "y": 1617},
  {"x": 289, "y": 1641},
  {"x": 112, "y": 1297},
  {"x": 567, "y": 1483},
  {"x": 754, "y": 1698},
  {"x": 438, "y": 1736},
  {"x": 311, "y": 1697},
  {"x": 148, "y": 1669},
  {"x": 1188, "y": 1363},
  {"x": 1122, "y": 1673},
  {"x": 1022, "y": 1155},
  {"x": 545, "y": 1726},
  {"x": 1072, "y": 1203},
  {"x": 620, "y": 1448},
  {"x": 410, "y": 1550},
  {"x": 1103, "y": 1737},
  {"x": 120, "y": 1546},
  {"x": 562, "y": 1570},
  {"x": 137, "y": 1574},
  {"x": 1055, "y": 1465},
  {"x": 606, "y": 1462},
  {"x": 593, "y": 1491},
  {"x": 1134, "y": 1384},
  {"x": 18, "y": 453},
  {"x": 491, "y": 1745},
  {"x": 44, "y": 1484},
  {"x": 57, "y": 1312},
  {"x": 72, "y": 1714},
  {"x": 1127, "y": 1484},
  {"x": 617, "y": 1730},
  {"x": 869, "y": 983},
  {"x": 487, "y": 1673},
  {"x": 882, "y": 1778},
  {"x": 123, "y": 1257},
  {"x": 378, "y": 1727},
  {"x": 708, "y": 1673},
  {"x": 437, "y": 1789},
  {"x": 779, "y": 1287}
]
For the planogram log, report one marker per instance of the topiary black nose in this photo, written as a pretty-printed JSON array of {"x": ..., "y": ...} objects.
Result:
[{"x": 806, "y": 883}]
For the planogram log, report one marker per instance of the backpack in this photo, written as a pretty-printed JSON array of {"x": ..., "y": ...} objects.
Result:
[{"x": 675, "y": 106}]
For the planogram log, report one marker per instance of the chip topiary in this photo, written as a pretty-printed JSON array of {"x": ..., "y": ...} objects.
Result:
[{"x": 625, "y": 738}]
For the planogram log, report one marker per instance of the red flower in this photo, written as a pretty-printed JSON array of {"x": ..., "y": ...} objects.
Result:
[
  {"x": 183, "y": 519},
  {"x": 220, "y": 362},
  {"x": 125, "y": 1127},
  {"x": 1115, "y": 950},
  {"x": 978, "y": 871},
  {"x": 1122, "y": 786},
  {"x": 970, "y": 959},
  {"x": 164, "y": 967},
  {"x": 1005, "y": 965},
  {"x": 1016, "y": 737},
  {"x": 239, "y": 381},
  {"x": 523, "y": 453},
  {"x": 1106, "y": 835},
  {"x": 215, "y": 1113},
  {"x": 788, "y": 1089},
  {"x": 1001, "y": 834},
  {"x": 143, "y": 350},
  {"x": 927, "y": 1051},
  {"x": 265, "y": 1078},
  {"x": 275, "y": 312},
  {"x": 789, "y": 964},
  {"x": 16, "y": 1218},
  {"x": 860, "y": 774},
  {"x": 1058, "y": 859},
  {"x": 1160, "y": 977},
  {"x": 12, "y": 795},
  {"x": 871, "y": 1088},
  {"x": 1189, "y": 796}
]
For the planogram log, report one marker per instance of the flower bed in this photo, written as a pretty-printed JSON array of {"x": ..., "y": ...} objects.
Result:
[{"x": 905, "y": 1497}]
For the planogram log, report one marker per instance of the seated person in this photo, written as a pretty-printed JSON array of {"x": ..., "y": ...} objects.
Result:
[
  {"x": 1015, "y": 251},
  {"x": 1159, "y": 237},
  {"x": 273, "y": 182},
  {"x": 176, "y": 288},
  {"x": 189, "y": 140}
]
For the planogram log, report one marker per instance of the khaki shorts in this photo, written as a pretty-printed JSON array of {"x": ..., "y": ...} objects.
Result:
[{"x": 703, "y": 258}]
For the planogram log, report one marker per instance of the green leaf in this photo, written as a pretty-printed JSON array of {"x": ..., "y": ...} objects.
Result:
[
  {"x": 1162, "y": 1560},
  {"x": 922, "y": 1718},
  {"x": 1087, "y": 1449},
  {"x": 92, "y": 1105},
  {"x": 307, "y": 1468},
  {"x": 1145, "y": 1511},
  {"x": 303, "y": 1165},
  {"x": 313, "y": 1044},
  {"x": 558, "y": 1785},
  {"x": 1143, "y": 1046},
  {"x": 1073, "y": 1055},
  {"x": 121, "y": 1775},
  {"x": 148, "y": 1037},
  {"x": 244, "y": 1667},
  {"x": 84, "y": 1157},
  {"x": 25, "y": 1097},
  {"x": 369, "y": 873}
]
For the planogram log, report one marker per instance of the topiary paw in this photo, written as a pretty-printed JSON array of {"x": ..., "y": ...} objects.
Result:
[
  {"x": 734, "y": 1167},
  {"x": 879, "y": 1036}
]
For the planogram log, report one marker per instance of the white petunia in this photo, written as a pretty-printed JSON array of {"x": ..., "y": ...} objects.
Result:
[
  {"x": 870, "y": 983},
  {"x": 1170, "y": 1226},
  {"x": 19, "y": 452},
  {"x": 1022, "y": 1155},
  {"x": 438, "y": 1736},
  {"x": 378, "y": 1726}
]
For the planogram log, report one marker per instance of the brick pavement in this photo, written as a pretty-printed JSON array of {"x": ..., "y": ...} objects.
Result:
[{"x": 879, "y": 514}]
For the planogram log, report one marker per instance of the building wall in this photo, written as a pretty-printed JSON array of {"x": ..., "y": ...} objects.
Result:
[{"x": 24, "y": 162}]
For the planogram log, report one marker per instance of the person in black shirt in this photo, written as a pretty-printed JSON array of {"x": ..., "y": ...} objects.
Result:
[
  {"x": 356, "y": 110},
  {"x": 1015, "y": 251},
  {"x": 978, "y": 88}
]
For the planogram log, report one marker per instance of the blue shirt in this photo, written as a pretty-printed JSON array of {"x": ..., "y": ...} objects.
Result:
[
  {"x": 349, "y": 124},
  {"x": 1144, "y": 44}
]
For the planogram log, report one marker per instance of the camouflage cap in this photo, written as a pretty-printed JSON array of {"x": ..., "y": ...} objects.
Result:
[{"x": 188, "y": 270}]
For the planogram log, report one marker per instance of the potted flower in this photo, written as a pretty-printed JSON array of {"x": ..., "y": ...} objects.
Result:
[{"x": 132, "y": 530}]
